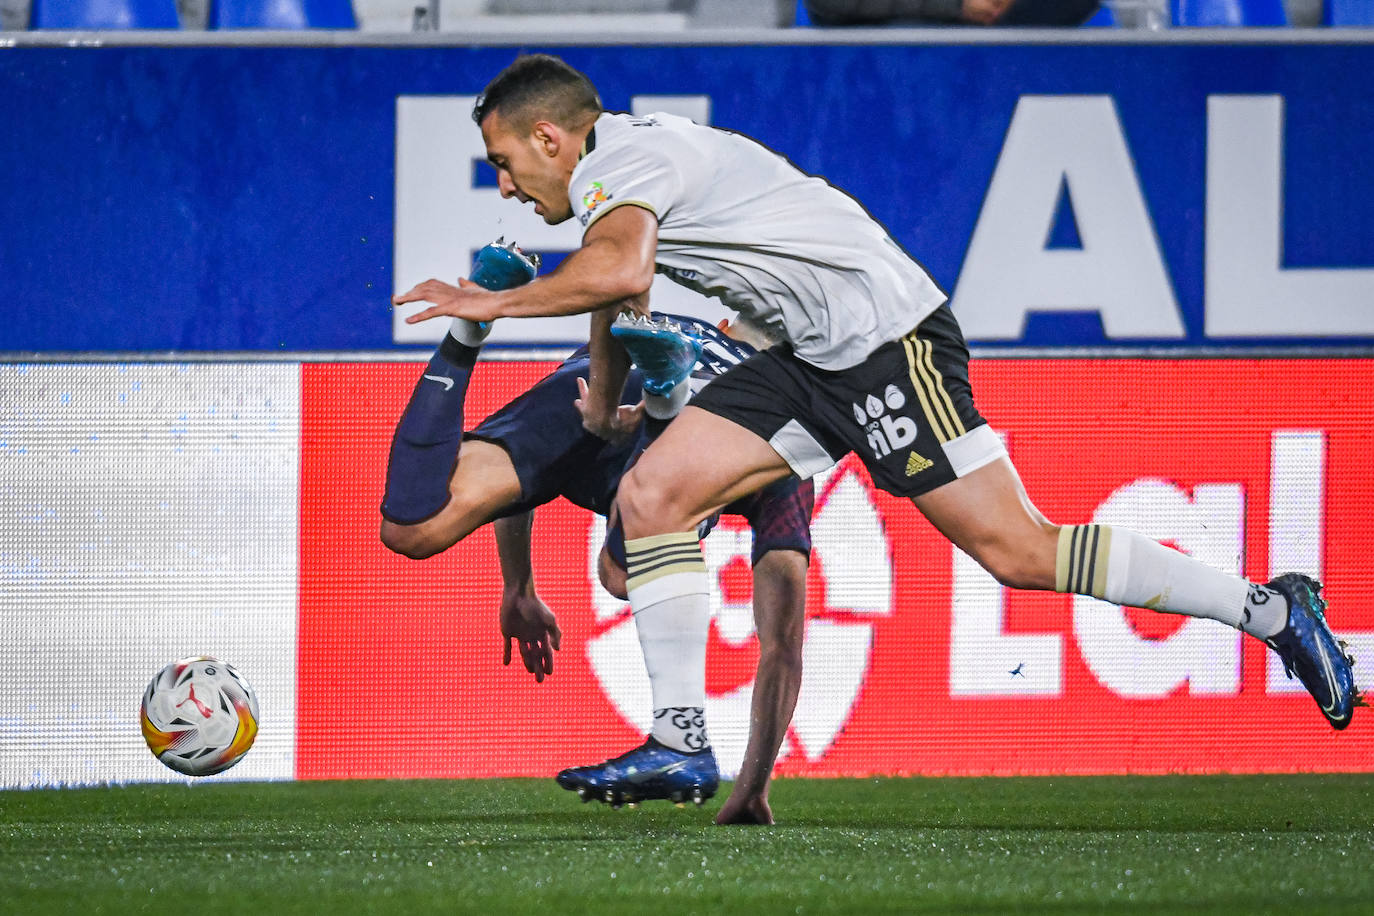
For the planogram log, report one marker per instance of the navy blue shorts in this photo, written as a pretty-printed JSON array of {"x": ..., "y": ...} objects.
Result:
[{"x": 553, "y": 455}]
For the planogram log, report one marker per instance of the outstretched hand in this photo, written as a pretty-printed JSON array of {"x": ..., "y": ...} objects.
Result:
[
  {"x": 466, "y": 300},
  {"x": 528, "y": 622},
  {"x": 615, "y": 428}
]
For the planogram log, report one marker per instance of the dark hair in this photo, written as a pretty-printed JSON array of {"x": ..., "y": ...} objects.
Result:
[{"x": 539, "y": 85}]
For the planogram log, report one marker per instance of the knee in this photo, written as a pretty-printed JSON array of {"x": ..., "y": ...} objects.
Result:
[
  {"x": 410, "y": 541},
  {"x": 783, "y": 651},
  {"x": 433, "y": 536},
  {"x": 612, "y": 575},
  {"x": 645, "y": 508}
]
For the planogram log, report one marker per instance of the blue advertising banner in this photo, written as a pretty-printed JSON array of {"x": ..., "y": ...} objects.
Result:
[{"x": 1106, "y": 195}]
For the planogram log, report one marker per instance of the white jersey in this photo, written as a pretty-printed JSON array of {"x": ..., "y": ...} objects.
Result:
[{"x": 738, "y": 222}]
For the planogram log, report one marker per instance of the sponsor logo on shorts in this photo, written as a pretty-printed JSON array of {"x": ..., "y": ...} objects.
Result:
[
  {"x": 887, "y": 433},
  {"x": 916, "y": 463}
]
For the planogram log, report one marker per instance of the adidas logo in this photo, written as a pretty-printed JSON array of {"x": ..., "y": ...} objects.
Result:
[{"x": 915, "y": 464}]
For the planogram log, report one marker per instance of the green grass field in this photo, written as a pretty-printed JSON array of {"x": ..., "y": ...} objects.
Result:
[{"x": 1290, "y": 844}]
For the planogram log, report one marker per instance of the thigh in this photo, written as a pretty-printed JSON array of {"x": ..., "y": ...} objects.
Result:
[
  {"x": 988, "y": 515},
  {"x": 699, "y": 464},
  {"x": 484, "y": 486},
  {"x": 907, "y": 410}
]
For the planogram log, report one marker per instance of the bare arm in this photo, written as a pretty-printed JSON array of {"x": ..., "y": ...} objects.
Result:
[
  {"x": 599, "y": 400},
  {"x": 780, "y": 617},
  {"x": 615, "y": 262},
  {"x": 525, "y": 619}
]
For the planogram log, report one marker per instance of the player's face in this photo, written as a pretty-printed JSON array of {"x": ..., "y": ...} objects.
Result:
[{"x": 529, "y": 166}]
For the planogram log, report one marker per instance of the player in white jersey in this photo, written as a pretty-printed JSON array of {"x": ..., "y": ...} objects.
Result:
[
  {"x": 774, "y": 244},
  {"x": 873, "y": 362}
]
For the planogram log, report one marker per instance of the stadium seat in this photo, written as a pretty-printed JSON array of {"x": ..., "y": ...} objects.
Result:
[
  {"x": 1348, "y": 12},
  {"x": 104, "y": 14},
  {"x": 1221, "y": 13},
  {"x": 282, "y": 14}
]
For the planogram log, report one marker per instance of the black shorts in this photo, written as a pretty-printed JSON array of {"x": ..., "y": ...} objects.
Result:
[{"x": 907, "y": 410}]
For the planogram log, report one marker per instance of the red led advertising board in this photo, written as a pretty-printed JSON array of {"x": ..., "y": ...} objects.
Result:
[{"x": 916, "y": 662}]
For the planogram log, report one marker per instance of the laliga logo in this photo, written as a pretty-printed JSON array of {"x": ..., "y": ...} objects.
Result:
[{"x": 852, "y": 553}]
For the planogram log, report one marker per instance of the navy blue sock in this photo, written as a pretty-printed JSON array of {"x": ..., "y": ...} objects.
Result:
[{"x": 424, "y": 450}]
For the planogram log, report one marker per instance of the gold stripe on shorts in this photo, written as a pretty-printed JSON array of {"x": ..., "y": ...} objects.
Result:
[{"x": 930, "y": 389}]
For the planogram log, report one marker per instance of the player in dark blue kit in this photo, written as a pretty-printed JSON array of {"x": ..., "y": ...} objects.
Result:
[{"x": 535, "y": 449}]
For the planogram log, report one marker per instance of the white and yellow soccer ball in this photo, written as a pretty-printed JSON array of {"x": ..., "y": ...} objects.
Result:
[{"x": 199, "y": 716}]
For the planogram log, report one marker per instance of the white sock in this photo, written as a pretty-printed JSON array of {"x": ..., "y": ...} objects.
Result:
[
  {"x": 667, "y": 406},
  {"x": 1123, "y": 567},
  {"x": 669, "y": 595},
  {"x": 1266, "y": 612},
  {"x": 468, "y": 333}
]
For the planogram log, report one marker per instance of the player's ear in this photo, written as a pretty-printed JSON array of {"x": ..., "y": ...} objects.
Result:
[{"x": 549, "y": 137}]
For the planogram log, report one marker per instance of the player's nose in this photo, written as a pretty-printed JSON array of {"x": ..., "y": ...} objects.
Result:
[{"x": 505, "y": 184}]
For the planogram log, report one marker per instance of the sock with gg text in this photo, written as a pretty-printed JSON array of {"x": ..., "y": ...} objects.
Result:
[
  {"x": 669, "y": 595},
  {"x": 1123, "y": 567},
  {"x": 424, "y": 449}
]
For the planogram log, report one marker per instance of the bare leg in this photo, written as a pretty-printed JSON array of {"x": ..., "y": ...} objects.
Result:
[
  {"x": 483, "y": 484},
  {"x": 988, "y": 515},
  {"x": 671, "y": 489},
  {"x": 661, "y": 499},
  {"x": 780, "y": 617}
]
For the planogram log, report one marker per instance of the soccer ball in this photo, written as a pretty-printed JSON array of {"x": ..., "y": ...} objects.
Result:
[{"x": 199, "y": 716}]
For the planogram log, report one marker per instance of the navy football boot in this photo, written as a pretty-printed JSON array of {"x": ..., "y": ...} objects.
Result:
[
  {"x": 665, "y": 355},
  {"x": 1311, "y": 651},
  {"x": 650, "y": 771},
  {"x": 499, "y": 265}
]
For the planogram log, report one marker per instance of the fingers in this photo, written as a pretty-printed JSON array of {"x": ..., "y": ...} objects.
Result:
[
  {"x": 420, "y": 292},
  {"x": 432, "y": 312},
  {"x": 443, "y": 295},
  {"x": 580, "y": 402},
  {"x": 505, "y": 660},
  {"x": 534, "y": 653},
  {"x": 537, "y": 654},
  {"x": 410, "y": 295},
  {"x": 553, "y": 633}
]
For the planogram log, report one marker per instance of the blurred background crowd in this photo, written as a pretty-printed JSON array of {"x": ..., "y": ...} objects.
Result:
[{"x": 665, "y": 16}]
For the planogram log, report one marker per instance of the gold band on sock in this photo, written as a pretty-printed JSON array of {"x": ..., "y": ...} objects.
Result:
[
  {"x": 658, "y": 555},
  {"x": 1080, "y": 565}
]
